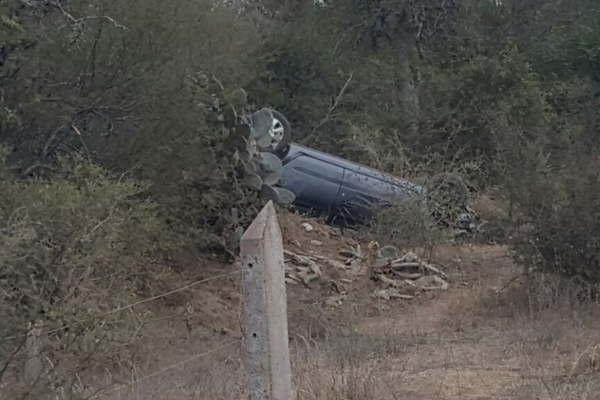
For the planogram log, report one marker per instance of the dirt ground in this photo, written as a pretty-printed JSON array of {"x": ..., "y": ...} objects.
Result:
[{"x": 488, "y": 336}]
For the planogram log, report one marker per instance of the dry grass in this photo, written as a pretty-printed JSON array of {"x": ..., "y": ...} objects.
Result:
[
  {"x": 350, "y": 367},
  {"x": 547, "y": 328},
  {"x": 482, "y": 339}
]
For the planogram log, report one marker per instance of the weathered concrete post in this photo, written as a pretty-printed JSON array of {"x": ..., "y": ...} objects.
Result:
[
  {"x": 267, "y": 357},
  {"x": 34, "y": 367}
]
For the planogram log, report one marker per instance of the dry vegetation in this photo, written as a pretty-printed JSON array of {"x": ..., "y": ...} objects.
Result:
[
  {"x": 121, "y": 193},
  {"x": 495, "y": 334}
]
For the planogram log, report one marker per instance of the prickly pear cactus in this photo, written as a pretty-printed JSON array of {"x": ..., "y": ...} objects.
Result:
[
  {"x": 263, "y": 169},
  {"x": 236, "y": 168}
]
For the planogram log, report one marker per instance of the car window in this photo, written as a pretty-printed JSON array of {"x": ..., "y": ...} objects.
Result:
[{"x": 314, "y": 182}]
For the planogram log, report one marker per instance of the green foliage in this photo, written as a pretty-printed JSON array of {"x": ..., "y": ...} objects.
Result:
[
  {"x": 497, "y": 93},
  {"x": 71, "y": 250},
  {"x": 145, "y": 89},
  {"x": 406, "y": 224},
  {"x": 563, "y": 214},
  {"x": 123, "y": 145},
  {"x": 77, "y": 229}
]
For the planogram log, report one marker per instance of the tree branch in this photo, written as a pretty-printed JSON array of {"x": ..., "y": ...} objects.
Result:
[
  {"x": 70, "y": 17},
  {"x": 335, "y": 104}
]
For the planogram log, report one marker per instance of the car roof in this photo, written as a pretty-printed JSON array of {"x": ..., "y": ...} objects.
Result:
[{"x": 296, "y": 149}]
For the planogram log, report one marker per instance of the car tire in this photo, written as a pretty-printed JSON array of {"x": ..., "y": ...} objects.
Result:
[{"x": 282, "y": 147}]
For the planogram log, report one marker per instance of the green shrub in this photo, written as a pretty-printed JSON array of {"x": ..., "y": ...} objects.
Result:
[
  {"x": 562, "y": 217},
  {"x": 405, "y": 224},
  {"x": 72, "y": 249}
]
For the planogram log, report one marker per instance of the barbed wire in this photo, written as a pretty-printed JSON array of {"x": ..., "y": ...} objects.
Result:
[
  {"x": 166, "y": 369},
  {"x": 129, "y": 306}
]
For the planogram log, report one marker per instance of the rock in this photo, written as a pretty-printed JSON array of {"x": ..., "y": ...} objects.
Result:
[
  {"x": 436, "y": 271},
  {"x": 316, "y": 243},
  {"x": 391, "y": 293},
  {"x": 332, "y": 263},
  {"x": 303, "y": 270},
  {"x": 314, "y": 267},
  {"x": 397, "y": 264},
  {"x": 358, "y": 251},
  {"x": 356, "y": 268},
  {"x": 308, "y": 227},
  {"x": 347, "y": 253},
  {"x": 407, "y": 275},
  {"x": 431, "y": 282},
  {"x": 390, "y": 282},
  {"x": 225, "y": 331},
  {"x": 335, "y": 301},
  {"x": 307, "y": 276},
  {"x": 337, "y": 287},
  {"x": 408, "y": 258},
  {"x": 389, "y": 252},
  {"x": 298, "y": 259},
  {"x": 381, "y": 262}
]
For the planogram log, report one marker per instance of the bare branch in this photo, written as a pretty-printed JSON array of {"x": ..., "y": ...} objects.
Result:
[
  {"x": 70, "y": 17},
  {"x": 335, "y": 104},
  {"x": 11, "y": 357}
]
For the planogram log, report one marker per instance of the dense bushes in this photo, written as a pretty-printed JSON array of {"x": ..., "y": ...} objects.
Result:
[
  {"x": 118, "y": 123},
  {"x": 143, "y": 89},
  {"x": 494, "y": 93},
  {"x": 72, "y": 249},
  {"x": 563, "y": 213},
  {"x": 60, "y": 235}
]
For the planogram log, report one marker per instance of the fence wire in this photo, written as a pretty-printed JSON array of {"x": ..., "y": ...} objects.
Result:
[
  {"x": 166, "y": 369},
  {"x": 128, "y": 306}
]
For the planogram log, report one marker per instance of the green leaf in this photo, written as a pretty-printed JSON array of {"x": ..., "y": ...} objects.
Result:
[
  {"x": 269, "y": 162},
  {"x": 272, "y": 178},
  {"x": 268, "y": 192},
  {"x": 260, "y": 123},
  {"x": 285, "y": 196},
  {"x": 254, "y": 181}
]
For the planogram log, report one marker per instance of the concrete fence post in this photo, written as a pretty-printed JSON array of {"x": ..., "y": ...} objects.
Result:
[
  {"x": 267, "y": 357},
  {"x": 34, "y": 367}
]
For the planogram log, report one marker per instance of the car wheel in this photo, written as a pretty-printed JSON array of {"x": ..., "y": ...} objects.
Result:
[
  {"x": 271, "y": 131},
  {"x": 280, "y": 134}
]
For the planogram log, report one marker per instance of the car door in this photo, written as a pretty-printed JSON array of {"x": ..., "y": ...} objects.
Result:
[
  {"x": 315, "y": 182},
  {"x": 361, "y": 193}
]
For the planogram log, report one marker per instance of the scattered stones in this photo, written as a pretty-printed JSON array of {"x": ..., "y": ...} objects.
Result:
[
  {"x": 308, "y": 227},
  {"x": 335, "y": 301},
  {"x": 409, "y": 273},
  {"x": 399, "y": 276},
  {"x": 300, "y": 268}
]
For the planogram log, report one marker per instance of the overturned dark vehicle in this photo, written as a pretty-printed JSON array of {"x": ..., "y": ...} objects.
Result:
[{"x": 325, "y": 185}]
